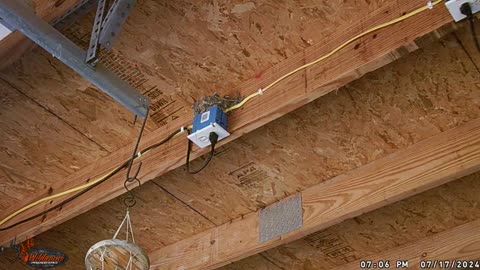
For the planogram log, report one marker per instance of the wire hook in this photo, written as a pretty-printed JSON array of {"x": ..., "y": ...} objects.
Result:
[
  {"x": 130, "y": 201},
  {"x": 135, "y": 176},
  {"x": 134, "y": 155}
]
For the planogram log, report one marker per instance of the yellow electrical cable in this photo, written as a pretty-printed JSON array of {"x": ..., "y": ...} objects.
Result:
[
  {"x": 61, "y": 194},
  {"x": 378, "y": 27},
  {"x": 67, "y": 192},
  {"x": 244, "y": 101}
]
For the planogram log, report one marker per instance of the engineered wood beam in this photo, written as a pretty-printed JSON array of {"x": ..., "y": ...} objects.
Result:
[
  {"x": 369, "y": 53},
  {"x": 460, "y": 244},
  {"x": 442, "y": 158}
]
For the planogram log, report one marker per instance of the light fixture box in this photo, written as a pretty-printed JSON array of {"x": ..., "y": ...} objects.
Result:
[{"x": 213, "y": 120}]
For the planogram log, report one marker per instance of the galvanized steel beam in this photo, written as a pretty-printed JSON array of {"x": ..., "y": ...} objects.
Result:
[{"x": 23, "y": 19}]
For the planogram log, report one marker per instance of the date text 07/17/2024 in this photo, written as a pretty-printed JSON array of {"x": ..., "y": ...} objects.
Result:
[{"x": 424, "y": 264}]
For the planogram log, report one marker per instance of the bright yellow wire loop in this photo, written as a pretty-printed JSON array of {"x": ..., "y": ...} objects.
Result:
[
  {"x": 244, "y": 101},
  {"x": 378, "y": 27}
]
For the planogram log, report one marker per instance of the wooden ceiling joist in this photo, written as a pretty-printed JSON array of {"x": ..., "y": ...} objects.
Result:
[
  {"x": 450, "y": 248},
  {"x": 368, "y": 53},
  {"x": 445, "y": 157}
]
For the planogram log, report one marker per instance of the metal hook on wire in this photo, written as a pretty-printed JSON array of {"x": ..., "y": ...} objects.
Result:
[
  {"x": 130, "y": 200},
  {"x": 135, "y": 176},
  {"x": 134, "y": 155}
]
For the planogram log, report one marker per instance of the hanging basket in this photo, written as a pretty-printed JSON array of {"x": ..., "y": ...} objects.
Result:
[{"x": 116, "y": 254}]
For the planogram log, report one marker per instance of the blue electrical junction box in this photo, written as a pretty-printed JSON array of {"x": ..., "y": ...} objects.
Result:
[{"x": 213, "y": 120}]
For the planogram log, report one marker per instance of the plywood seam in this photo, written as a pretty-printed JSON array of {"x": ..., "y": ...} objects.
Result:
[
  {"x": 184, "y": 203},
  {"x": 55, "y": 115},
  {"x": 271, "y": 261}
]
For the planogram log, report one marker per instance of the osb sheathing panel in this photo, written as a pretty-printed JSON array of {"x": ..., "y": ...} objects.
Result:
[
  {"x": 74, "y": 100},
  {"x": 404, "y": 222},
  {"x": 403, "y": 103},
  {"x": 173, "y": 51},
  {"x": 400, "y": 223},
  {"x": 158, "y": 220},
  {"x": 387, "y": 110},
  {"x": 37, "y": 146},
  {"x": 238, "y": 40},
  {"x": 177, "y": 52},
  {"x": 421, "y": 95}
]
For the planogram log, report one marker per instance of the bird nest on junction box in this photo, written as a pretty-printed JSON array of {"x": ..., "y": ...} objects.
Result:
[{"x": 224, "y": 103}]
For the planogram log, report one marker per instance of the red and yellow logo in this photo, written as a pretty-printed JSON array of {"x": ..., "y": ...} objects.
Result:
[{"x": 40, "y": 258}]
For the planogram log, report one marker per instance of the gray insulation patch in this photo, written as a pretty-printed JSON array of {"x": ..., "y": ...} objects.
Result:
[{"x": 281, "y": 218}]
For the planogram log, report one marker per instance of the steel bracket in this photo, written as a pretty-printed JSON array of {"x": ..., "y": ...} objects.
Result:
[
  {"x": 94, "y": 47},
  {"x": 79, "y": 10},
  {"x": 114, "y": 21}
]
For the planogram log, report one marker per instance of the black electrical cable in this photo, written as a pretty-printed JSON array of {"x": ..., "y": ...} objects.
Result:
[
  {"x": 213, "y": 137},
  {"x": 466, "y": 9},
  {"x": 153, "y": 146},
  {"x": 474, "y": 33},
  {"x": 110, "y": 175}
]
